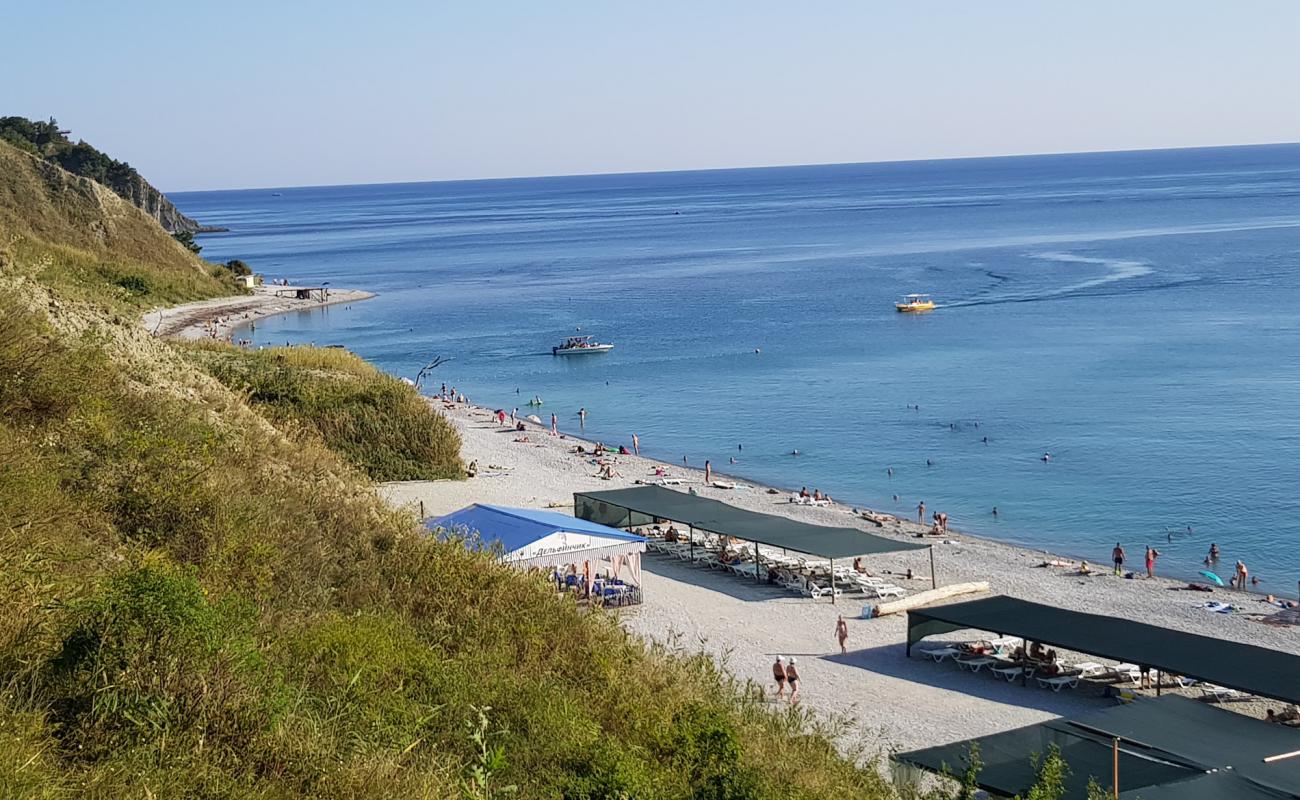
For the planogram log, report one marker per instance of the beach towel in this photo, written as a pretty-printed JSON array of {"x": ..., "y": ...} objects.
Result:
[{"x": 1217, "y": 607}]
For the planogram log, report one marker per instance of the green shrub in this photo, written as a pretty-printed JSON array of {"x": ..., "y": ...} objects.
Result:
[{"x": 376, "y": 422}]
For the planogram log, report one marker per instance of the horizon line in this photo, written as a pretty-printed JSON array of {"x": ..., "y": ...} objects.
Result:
[{"x": 615, "y": 173}]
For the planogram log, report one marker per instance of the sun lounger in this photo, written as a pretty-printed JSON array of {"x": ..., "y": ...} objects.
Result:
[
  {"x": 1219, "y": 693},
  {"x": 1057, "y": 681},
  {"x": 977, "y": 663},
  {"x": 1006, "y": 642},
  {"x": 941, "y": 653},
  {"x": 1089, "y": 668},
  {"x": 883, "y": 591},
  {"x": 1127, "y": 671},
  {"x": 814, "y": 591},
  {"x": 1009, "y": 672}
]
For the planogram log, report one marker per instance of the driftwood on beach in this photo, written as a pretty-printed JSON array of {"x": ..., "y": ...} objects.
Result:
[{"x": 929, "y": 596}]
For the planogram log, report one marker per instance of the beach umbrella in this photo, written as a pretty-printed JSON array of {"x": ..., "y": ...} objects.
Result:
[
  {"x": 535, "y": 418},
  {"x": 1212, "y": 576}
]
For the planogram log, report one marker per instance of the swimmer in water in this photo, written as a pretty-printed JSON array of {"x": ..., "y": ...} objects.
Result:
[
  {"x": 794, "y": 452},
  {"x": 1046, "y": 457},
  {"x": 986, "y": 440},
  {"x": 995, "y": 511},
  {"x": 929, "y": 463},
  {"x": 889, "y": 471}
]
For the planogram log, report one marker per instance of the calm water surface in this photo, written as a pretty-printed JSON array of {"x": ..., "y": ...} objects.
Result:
[{"x": 1133, "y": 314}]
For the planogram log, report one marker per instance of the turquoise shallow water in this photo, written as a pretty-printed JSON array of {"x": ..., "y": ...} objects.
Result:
[{"x": 1134, "y": 314}]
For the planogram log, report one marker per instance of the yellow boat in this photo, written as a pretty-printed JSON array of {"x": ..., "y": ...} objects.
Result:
[{"x": 915, "y": 302}]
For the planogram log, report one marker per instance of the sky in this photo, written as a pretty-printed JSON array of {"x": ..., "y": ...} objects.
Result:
[{"x": 207, "y": 95}]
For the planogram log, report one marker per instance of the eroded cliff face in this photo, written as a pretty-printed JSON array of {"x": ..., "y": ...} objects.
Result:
[
  {"x": 141, "y": 194},
  {"x": 47, "y": 141}
]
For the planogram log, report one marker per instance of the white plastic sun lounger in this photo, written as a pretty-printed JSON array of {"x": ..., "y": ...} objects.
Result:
[
  {"x": 1005, "y": 642},
  {"x": 1057, "y": 681},
  {"x": 978, "y": 663},
  {"x": 1129, "y": 671},
  {"x": 1009, "y": 672},
  {"x": 941, "y": 653},
  {"x": 883, "y": 591},
  {"x": 1219, "y": 693}
]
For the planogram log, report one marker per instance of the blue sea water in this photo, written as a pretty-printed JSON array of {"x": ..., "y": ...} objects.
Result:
[{"x": 1133, "y": 314}]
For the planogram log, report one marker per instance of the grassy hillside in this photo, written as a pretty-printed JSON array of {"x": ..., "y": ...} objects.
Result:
[
  {"x": 375, "y": 422},
  {"x": 83, "y": 241},
  {"x": 196, "y": 599}
]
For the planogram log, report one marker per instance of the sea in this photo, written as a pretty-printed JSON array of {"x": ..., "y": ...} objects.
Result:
[{"x": 1133, "y": 314}]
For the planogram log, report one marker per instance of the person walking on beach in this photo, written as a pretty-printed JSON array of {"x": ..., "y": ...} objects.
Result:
[
  {"x": 1151, "y": 561},
  {"x": 708, "y": 471},
  {"x": 778, "y": 674},
  {"x": 842, "y": 633},
  {"x": 792, "y": 678},
  {"x": 555, "y": 425},
  {"x": 636, "y": 444},
  {"x": 920, "y": 513},
  {"x": 1117, "y": 555}
]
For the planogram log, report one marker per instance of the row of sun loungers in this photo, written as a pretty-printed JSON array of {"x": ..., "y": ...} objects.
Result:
[
  {"x": 708, "y": 552},
  {"x": 1060, "y": 675}
]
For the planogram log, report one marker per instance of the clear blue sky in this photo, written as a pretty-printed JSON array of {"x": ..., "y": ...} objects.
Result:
[{"x": 269, "y": 93}]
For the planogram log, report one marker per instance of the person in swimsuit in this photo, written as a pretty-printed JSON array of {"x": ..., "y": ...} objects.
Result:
[
  {"x": 1239, "y": 580},
  {"x": 842, "y": 633},
  {"x": 920, "y": 513},
  {"x": 778, "y": 674},
  {"x": 792, "y": 677},
  {"x": 1117, "y": 555},
  {"x": 1151, "y": 561}
]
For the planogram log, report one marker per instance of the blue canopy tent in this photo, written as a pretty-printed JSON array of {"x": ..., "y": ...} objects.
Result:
[{"x": 530, "y": 537}]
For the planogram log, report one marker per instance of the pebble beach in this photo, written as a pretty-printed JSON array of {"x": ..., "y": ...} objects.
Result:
[{"x": 884, "y": 700}]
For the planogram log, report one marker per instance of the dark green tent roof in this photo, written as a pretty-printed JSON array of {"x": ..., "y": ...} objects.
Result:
[
  {"x": 1257, "y": 670},
  {"x": 619, "y": 508},
  {"x": 1184, "y": 748},
  {"x": 1211, "y": 786}
]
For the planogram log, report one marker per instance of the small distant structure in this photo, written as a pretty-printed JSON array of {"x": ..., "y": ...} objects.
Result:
[
  {"x": 321, "y": 293},
  {"x": 247, "y": 281}
]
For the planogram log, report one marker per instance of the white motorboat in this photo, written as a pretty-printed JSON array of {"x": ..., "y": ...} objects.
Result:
[{"x": 580, "y": 345}]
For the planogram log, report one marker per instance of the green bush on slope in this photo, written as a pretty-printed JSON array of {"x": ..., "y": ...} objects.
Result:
[{"x": 376, "y": 422}]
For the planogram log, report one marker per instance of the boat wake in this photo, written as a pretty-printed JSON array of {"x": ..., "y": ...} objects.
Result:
[{"x": 1116, "y": 270}]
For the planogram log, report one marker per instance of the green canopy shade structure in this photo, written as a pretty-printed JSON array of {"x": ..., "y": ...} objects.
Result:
[
  {"x": 1170, "y": 747},
  {"x": 641, "y": 505},
  {"x": 1256, "y": 670}
]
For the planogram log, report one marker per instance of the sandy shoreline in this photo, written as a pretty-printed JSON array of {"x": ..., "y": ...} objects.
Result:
[
  {"x": 218, "y": 318},
  {"x": 894, "y": 702}
]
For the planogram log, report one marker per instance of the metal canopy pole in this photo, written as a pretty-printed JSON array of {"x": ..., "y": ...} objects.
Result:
[
  {"x": 1115, "y": 765},
  {"x": 832, "y": 581},
  {"x": 934, "y": 579},
  {"x": 690, "y": 531},
  {"x": 756, "y": 563}
]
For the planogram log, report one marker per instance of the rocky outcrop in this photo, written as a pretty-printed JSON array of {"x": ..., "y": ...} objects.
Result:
[
  {"x": 141, "y": 194},
  {"x": 47, "y": 141}
]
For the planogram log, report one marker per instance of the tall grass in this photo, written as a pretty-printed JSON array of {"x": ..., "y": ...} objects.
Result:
[
  {"x": 377, "y": 423},
  {"x": 194, "y": 605},
  {"x": 85, "y": 242}
]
